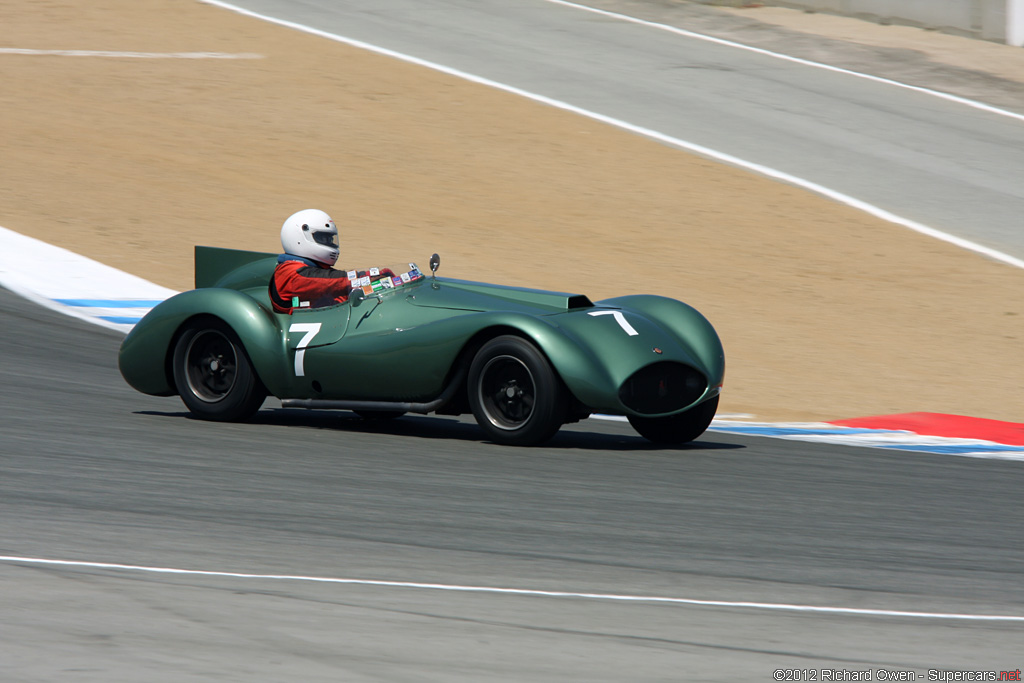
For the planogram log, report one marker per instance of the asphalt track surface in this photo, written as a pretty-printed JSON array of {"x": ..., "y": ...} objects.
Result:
[
  {"x": 936, "y": 162},
  {"x": 94, "y": 472}
]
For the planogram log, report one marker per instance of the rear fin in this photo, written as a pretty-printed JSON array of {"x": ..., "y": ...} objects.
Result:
[{"x": 213, "y": 263}]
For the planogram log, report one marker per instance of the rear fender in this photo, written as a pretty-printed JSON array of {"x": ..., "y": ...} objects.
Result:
[{"x": 145, "y": 355}]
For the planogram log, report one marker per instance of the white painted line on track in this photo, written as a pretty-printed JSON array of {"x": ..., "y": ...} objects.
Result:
[
  {"x": 130, "y": 55},
  {"x": 647, "y": 132},
  {"x": 853, "y": 611},
  {"x": 796, "y": 60}
]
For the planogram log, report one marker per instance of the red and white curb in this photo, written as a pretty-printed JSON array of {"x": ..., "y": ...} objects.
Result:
[
  {"x": 946, "y": 434},
  {"x": 106, "y": 296},
  {"x": 923, "y": 432}
]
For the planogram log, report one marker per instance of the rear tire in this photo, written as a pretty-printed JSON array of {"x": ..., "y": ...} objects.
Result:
[
  {"x": 680, "y": 428},
  {"x": 213, "y": 374},
  {"x": 515, "y": 395}
]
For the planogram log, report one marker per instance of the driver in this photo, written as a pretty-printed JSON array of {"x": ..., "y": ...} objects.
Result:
[{"x": 304, "y": 276}]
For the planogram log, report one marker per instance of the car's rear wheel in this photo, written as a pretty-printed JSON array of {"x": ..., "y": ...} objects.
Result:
[
  {"x": 514, "y": 393},
  {"x": 676, "y": 429},
  {"x": 213, "y": 374}
]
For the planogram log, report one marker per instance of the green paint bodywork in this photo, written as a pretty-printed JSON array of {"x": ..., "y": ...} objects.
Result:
[{"x": 406, "y": 344}]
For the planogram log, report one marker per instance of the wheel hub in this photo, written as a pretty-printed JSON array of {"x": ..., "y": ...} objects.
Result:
[
  {"x": 210, "y": 366},
  {"x": 507, "y": 392}
]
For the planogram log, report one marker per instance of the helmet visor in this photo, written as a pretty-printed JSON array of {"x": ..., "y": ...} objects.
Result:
[{"x": 328, "y": 239}]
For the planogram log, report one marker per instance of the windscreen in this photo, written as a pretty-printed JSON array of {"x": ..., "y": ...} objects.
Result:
[{"x": 380, "y": 279}]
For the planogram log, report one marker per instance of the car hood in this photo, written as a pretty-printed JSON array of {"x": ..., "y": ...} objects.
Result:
[{"x": 464, "y": 295}]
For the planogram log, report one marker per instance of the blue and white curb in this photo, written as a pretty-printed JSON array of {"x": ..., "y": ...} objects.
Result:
[{"x": 81, "y": 288}]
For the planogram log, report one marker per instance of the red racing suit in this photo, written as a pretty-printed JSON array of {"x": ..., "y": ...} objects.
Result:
[{"x": 302, "y": 283}]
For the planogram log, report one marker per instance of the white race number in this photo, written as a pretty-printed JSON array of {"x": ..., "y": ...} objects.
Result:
[
  {"x": 620, "y": 319},
  {"x": 300, "y": 349}
]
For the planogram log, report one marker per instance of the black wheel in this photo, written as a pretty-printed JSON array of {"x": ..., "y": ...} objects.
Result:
[
  {"x": 379, "y": 414},
  {"x": 213, "y": 374},
  {"x": 515, "y": 395},
  {"x": 679, "y": 428}
]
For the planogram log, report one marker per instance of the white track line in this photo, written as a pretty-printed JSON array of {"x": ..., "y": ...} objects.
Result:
[
  {"x": 131, "y": 55},
  {"x": 796, "y": 60},
  {"x": 523, "y": 591},
  {"x": 647, "y": 132}
]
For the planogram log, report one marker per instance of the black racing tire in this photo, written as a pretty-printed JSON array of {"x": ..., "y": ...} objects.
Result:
[
  {"x": 516, "y": 396},
  {"x": 379, "y": 414},
  {"x": 676, "y": 429},
  {"x": 213, "y": 374}
]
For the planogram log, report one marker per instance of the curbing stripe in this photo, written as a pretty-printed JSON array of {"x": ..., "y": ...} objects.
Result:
[
  {"x": 899, "y": 440},
  {"x": 110, "y": 303},
  {"x": 87, "y": 289}
]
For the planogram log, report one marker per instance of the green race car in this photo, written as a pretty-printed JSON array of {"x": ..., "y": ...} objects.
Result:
[{"x": 523, "y": 361}]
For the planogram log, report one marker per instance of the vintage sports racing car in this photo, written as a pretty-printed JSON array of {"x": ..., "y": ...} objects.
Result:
[{"x": 523, "y": 361}]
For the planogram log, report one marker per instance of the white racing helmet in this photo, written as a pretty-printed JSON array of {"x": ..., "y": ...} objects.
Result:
[{"x": 311, "y": 234}]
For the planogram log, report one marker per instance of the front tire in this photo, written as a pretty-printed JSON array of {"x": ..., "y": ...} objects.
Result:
[
  {"x": 213, "y": 374},
  {"x": 680, "y": 428},
  {"x": 515, "y": 395}
]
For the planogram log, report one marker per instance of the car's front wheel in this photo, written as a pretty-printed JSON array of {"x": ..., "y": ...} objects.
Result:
[
  {"x": 515, "y": 395},
  {"x": 213, "y": 374},
  {"x": 679, "y": 428}
]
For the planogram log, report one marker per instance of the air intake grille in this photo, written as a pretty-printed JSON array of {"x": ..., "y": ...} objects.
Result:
[{"x": 662, "y": 388}]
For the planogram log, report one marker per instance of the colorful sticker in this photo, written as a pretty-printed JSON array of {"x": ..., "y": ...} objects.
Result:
[
  {"x": 377, "y": 286},
  {"x": 374, "y": 272},
  {"x": 412, "y": 266},
  {"x": 397, "y": 280},
  {"x": 387, "y": 283},
  {"x": 415, "y": 274},
  {"x": 367, "y": 290},
  {"x": 406, "y": 277},
  {"x": 351, "y": 275},
  {"x": 364, "y": 281}
]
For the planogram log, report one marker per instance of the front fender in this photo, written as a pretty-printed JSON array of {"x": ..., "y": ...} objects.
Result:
[
  {"x": 586, "y": 374},
  {"x": 145, "y": 355},
  {"x": 594, "y": 356},
  {"x": 605, "y": 345},
  {"x": 686, "y": 323}
]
